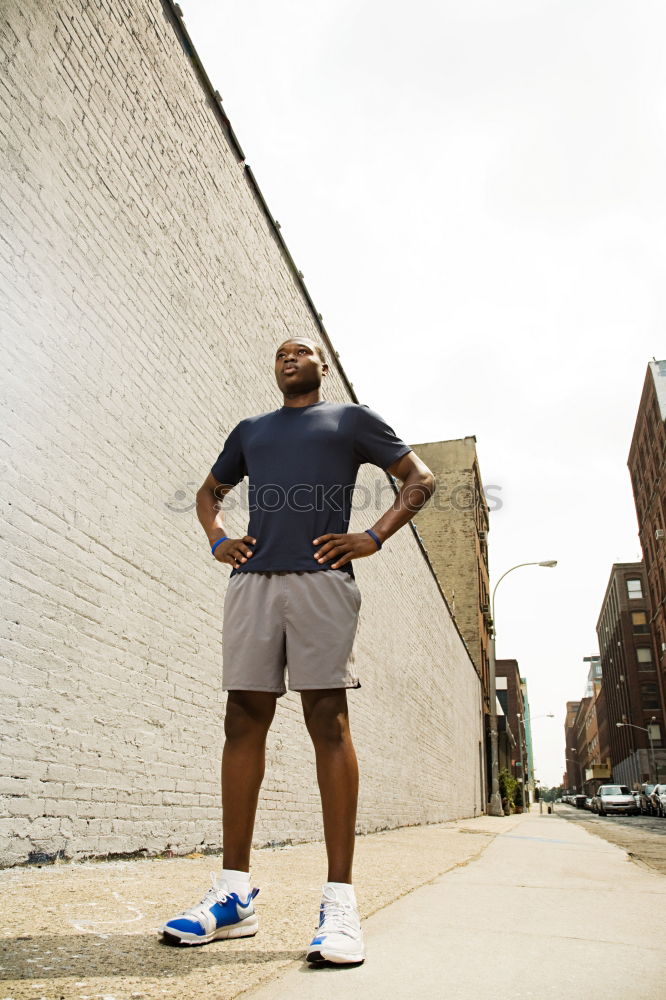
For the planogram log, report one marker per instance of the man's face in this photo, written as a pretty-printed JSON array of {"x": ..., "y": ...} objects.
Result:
[{"x": 298, "y": 367}]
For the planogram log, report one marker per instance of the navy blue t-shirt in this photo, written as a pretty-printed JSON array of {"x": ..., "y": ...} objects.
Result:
[{"x": 301, "y": 463}]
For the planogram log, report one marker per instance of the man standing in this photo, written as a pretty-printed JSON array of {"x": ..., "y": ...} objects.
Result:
[{"x": 292, "y": 602}]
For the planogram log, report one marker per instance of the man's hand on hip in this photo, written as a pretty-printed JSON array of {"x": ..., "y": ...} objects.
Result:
[
  {"x": 235, "y": 550},
  {"x": 344, "y": 548}
]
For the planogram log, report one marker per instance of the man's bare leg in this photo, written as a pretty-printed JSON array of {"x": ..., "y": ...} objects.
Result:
[
  {"x": 246, "y": 723},
  {"x": 327, "y": 719}
]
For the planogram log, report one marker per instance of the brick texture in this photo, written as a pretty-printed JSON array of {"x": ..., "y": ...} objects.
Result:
[
  {"x": 143, "y": 292},
  {"x": 454, "y": 527}
]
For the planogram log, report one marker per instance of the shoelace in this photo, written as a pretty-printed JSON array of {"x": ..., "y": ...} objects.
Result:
[
  {"x": 339, "y": 917},
  {"x": 216, "y": 894}
]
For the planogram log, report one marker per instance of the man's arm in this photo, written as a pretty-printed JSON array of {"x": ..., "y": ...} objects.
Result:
[
  {"x": 418, "y": 485},
  {"x": 209, "y": 511}
]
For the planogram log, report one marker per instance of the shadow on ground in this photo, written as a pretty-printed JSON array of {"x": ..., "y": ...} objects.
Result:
[{"x": 125, "y": 955}]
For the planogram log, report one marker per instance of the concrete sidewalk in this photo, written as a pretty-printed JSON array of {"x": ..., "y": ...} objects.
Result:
[
  {"x": 489, "y": 908},
  {"x": 548, "y": 910},
  {"x": 84, "y": 931}
]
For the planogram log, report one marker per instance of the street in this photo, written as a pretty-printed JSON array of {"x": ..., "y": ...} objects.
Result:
[{"x": 642, "y": 837}]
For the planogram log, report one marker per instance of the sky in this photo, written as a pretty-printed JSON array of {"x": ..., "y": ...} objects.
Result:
[{"x": 475, "y": 194}]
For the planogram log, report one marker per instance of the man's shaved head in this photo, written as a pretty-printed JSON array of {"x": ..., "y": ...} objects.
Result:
[{"x": 300, "y": 365}]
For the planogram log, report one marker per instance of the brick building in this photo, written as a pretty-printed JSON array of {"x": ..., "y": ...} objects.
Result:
[
  {"x": 572, "y": 780},
  {"x": 591, "y": 752},
  {"x": 603, "y": 755},
  {"x": 528, "y": 738},
  {"x": 512, "y": 735},
  {"x": 454, "y": 526},
  {"x": 594, "y": 749},
  {"x": 587, "y": 735},
  {"x": 629, "y": 676},
  {"x": 647, "y": 462},
  {"x": 140, "y": 268},
  {"x": 580, "y": 741}
]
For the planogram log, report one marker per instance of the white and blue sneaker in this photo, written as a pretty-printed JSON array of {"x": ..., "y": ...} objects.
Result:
[
  {"x": 220, "y": 914},
  {"x": 339, "y": 937}
]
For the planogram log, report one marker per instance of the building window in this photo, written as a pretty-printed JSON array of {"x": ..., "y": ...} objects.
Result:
[
  {"x": 634, "y": 589},
  {"x": 644, "y": 657},
  {"x": 649, "y": 696},
  {"x": 639, "y": 623}
]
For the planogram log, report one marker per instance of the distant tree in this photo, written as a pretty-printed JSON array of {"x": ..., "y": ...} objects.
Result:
[{"x": 550, "y": 794}]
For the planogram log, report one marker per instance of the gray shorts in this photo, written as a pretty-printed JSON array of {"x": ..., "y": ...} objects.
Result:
[{"x": 304, "y": 622}]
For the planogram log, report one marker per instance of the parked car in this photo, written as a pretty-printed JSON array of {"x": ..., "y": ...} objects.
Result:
[
  {"x": 579, "y": 801},
  {"x": 637, "y": 798},
  {"x": 658, "y": 800},
  {"x": 588, "y": 802},
  {"x": 646, "y": 801},
  {"x": 614, "y": 799}
]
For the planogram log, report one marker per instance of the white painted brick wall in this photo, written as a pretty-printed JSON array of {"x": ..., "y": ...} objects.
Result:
[{"x": 142, "y": 293}]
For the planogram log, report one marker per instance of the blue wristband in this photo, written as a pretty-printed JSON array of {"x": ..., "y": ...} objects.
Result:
[
  {"x": 218, "y": 542},
  {"x": 368, "y": 531}
]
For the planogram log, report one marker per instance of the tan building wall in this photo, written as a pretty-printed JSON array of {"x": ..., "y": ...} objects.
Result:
[
  {"x": 144, "y": 289},
  {"x": 454, "y": 527}
]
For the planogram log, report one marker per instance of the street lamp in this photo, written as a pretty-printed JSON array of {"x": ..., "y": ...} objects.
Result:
[
  {"x": 521, "y": 722},
  {"x": 495, "y": 804},
  {"x": 630, "y": 725}
]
